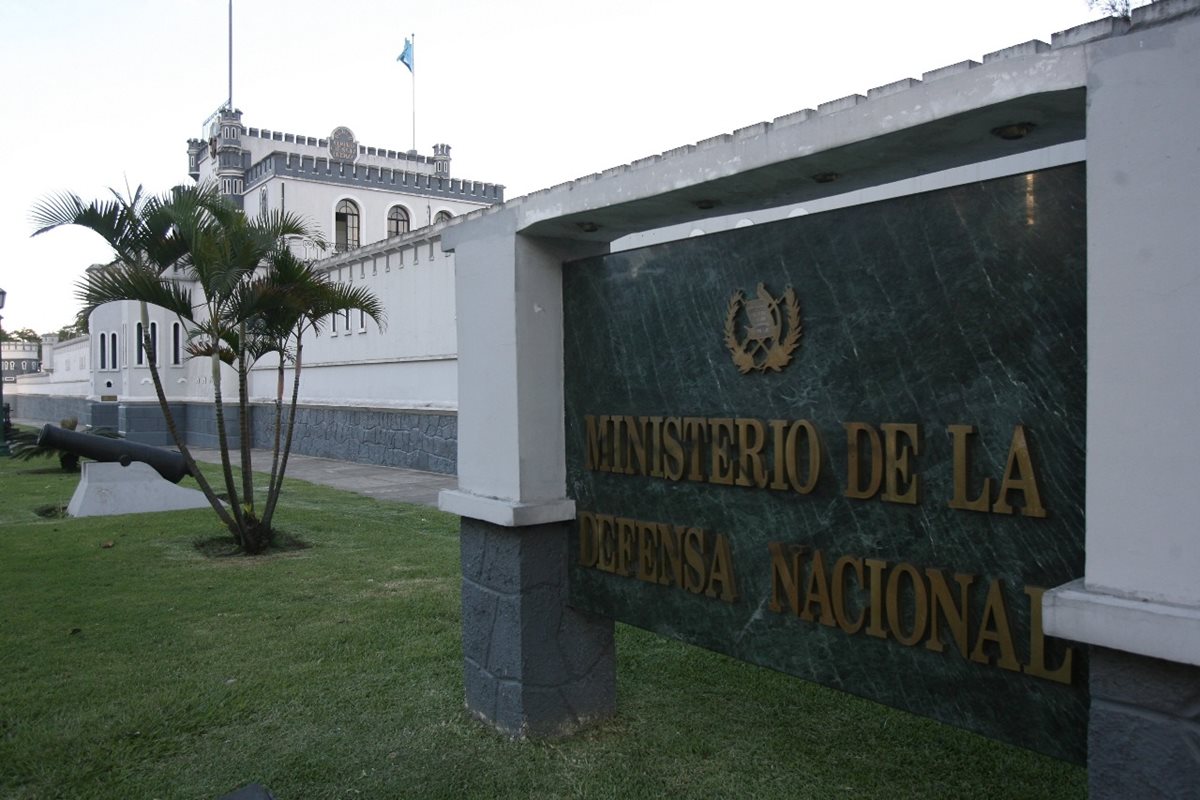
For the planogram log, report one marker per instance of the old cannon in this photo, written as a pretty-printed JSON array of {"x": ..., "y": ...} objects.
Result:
[{"x": 169, "y": 464}]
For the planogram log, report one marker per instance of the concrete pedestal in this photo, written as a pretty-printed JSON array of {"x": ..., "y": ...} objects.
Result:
[
  {"x": 108, "y": 488},
  {"x": 1144, "y": 730},
  {"x": 533, "y": 666}
]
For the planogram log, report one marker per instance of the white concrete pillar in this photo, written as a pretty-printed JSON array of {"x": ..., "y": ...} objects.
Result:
[
  {"x": 1138, "y": 604},
  {"x": 532, "y": 666}
]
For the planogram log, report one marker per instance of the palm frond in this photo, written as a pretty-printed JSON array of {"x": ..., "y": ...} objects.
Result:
[{"x": 137, "y": 282}]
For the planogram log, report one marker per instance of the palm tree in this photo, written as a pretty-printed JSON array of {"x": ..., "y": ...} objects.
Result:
[
  {"x": 293, "y": 299},
  {"x": 139, "y": 228},
  {"x": 253, "y": 296},
  {"x": 226, "y": 251}
]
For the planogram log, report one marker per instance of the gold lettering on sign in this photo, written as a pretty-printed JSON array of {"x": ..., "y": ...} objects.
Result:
[
  {"x": 962, "y": 472},
  {"x": 721, "y": 436},
  {"x": 785, "y": 572},
  {"x": 839, "y": 594},
  {"x": 607, "y": 542},
  {"x": 817, "y": 592},
  {"x": 900, "y": 486},
  {"x": 919, "y": 605},
  {"x": 752, "y": 437},
  {"x": 854, "y": 434},
  {"x": 670, "y": 557},
  {"x": 693, "y": 569},
  {"x": 994, "y": 628},
  {"x": 1037, "y": 643},
  {"x": 787, "y": 455},
  {"x": 911, "y": 606},
  {"x": 692, "y": 559},
  {"x": 813, "y": 439},
  {"x": 721, "y": 572},
  {"x": 1019, "y": 477},
  {"x": 673, "y": 448},
  {"x": 696, "y": 430},
  {"x": 943, "y": 606},
  {"x": 875, "y": 569}
]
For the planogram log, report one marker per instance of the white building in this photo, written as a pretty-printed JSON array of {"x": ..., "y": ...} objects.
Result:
[
  {"x": 19, "y": 358},
  {"x": 386, "y": 396},
  {"x": 354, "y": 194}
]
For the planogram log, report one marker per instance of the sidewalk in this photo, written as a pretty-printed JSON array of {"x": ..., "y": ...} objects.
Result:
[{"x": 383, "y": 483}]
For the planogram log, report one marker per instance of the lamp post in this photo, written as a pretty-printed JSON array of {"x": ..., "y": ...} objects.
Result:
[{"x": 3, "y": 408}]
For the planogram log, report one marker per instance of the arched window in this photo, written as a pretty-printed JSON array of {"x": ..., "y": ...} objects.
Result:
[
  {"x": 398, "y": 221},
  {"x": 442, "y": 216},
  {"x": 141, "y": 343},
  {"x": 112, "y": 349},
  {"x": 176, "y": 343},
  {"x": 104, "y": 351},
  {"x": 345, "y": 226}
]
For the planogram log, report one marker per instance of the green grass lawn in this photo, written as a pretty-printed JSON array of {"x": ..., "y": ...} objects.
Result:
[{"x": 147, "y": 670}]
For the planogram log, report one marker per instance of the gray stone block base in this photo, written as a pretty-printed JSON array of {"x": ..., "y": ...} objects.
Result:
[
  {"x": 1144, "y": 728},
  {"x": 532, "y": 666}
]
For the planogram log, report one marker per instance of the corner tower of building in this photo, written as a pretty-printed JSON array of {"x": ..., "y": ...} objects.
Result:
[{"x": 353, "y": 194}]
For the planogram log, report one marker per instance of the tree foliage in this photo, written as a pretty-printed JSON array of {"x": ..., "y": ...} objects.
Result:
[
  {"x": 73, "y": 331},
  {"x": 19, "y": 335},
  {"x": 253, "y": 297},
  {"x": 1115, "y": 8}
]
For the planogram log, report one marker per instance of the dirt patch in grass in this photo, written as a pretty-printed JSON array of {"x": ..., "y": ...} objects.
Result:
[
  {"x": 224, "y": 547},
  {"x": 52, "y": 511}
]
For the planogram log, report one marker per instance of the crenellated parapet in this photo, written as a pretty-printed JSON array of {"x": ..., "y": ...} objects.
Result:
[
  {"x": 301, "y": 140},
  {"x": 342, "y": 173}
]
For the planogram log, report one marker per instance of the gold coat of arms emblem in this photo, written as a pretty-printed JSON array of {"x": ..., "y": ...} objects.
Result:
[{"x": 770, "y": 329}]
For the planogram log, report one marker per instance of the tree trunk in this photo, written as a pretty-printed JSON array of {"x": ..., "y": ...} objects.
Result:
[
  {"x": 272, "y": 488},
  {"x": 239, "y": 529},
  {"x": 243, "y": 370},
  {"x": 173, "y": 429},
  {"x": 273, "y": 499}
]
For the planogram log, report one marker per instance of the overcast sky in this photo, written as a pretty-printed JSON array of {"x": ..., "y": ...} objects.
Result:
[{"x": 528, "y": 93}]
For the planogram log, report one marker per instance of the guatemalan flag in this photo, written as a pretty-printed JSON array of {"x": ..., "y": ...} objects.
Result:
[{"x": 406, "y": 57}]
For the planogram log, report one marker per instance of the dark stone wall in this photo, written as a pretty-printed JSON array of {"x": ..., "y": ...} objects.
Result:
[
  {"x": 42, "y": 408},
  {"x": 202, "y": 425},
  {"x": 104, "y": 415},
  {"x": 1144, "y": 728},
  {"x": 426, "y": 441},
  {"x": 407, "y": 439},
  {"x": 145, "y": 423},
  {"x": 532, "y": 665}
]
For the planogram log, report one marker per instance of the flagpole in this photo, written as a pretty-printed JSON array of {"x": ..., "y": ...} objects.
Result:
[
  {"x": 413, "y": 72},
  {"x": 230, "y": 100}
]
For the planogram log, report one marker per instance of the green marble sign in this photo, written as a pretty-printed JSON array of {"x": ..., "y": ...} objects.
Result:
[{"x": 848, "y": 446}]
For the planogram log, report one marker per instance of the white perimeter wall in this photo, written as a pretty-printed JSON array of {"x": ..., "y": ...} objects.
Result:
[
  {"x": 412, "y": 363},
  {"x": 69, "y": 376}
]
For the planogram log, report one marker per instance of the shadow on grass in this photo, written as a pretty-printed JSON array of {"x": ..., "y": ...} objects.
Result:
[
  {"x": 225, "y": 547},
  {"x": 48, "y": 471}
]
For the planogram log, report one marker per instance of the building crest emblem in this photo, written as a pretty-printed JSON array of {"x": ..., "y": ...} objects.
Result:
[
  {"x": 342, "y": 144},
  {"x": 770, "y": 330}
]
